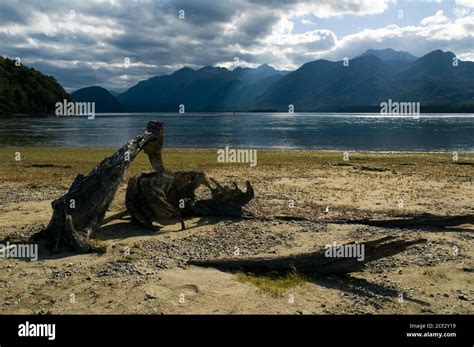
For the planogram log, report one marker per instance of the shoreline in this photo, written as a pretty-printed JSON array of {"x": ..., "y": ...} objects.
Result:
[
  {"x": 264, "y": 149},
  {"x": 231, "y": 113}
]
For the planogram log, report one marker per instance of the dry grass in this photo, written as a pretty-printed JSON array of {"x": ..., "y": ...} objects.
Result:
[
  {"x": 427, "y": 182},
  {"x": 274, "y": 286},
  {"x": 57, "y": 166},
  {"x": 436, "y": 273}
]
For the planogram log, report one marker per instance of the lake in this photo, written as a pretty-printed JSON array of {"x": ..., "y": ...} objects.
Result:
[{"x": 373, "y": 132}]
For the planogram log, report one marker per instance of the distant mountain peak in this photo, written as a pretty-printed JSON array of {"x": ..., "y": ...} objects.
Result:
[
  {"x": 92, "y": 88},
  {"x": 389, "y": 54},
  {"x": 266, "y": 67},
  {"x": 211, "y": 68},
  {"x": 184, "y": 69},
  {"x": 439, "y": 54},
  {"x": 104, "y": 100}
]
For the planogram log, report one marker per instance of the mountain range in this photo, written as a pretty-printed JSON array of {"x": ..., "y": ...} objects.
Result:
[
  {"x": 437, "y": 80},
  {"x": 206, "y": 89}
]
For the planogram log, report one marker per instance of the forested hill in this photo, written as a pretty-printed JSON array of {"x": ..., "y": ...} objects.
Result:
[{"x": 25, "y": 90}]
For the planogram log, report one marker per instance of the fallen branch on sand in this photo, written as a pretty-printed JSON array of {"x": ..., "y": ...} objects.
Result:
[
  {"x": 417, "y": 221},
  {"x": 313, "y": 263}
]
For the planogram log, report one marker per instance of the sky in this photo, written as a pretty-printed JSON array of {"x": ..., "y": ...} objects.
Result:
[{"x": 117, "y": 43}]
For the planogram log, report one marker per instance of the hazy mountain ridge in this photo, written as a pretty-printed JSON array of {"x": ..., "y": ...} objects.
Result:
[
  {"x": 433, "y": 80},
  {"x": 206, "y": 89},
  {"x": 103, "y": 99},
  {"x": 389, "y": 54}
]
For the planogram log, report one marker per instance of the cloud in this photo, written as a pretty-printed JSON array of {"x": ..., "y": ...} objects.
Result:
[
  {"x": 460, "y": 11},
  {"x": 329, "y": 8},
  {"x": 90, "y": 47},
  {"x": 438, "y": 18},
  {"x": 466, "y": 3},
  {"x": 456, "y": 36},
  {"x": 307, "y": 22}
]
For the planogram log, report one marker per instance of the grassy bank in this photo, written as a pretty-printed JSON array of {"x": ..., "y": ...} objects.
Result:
[{"x": 44, "y": 166}]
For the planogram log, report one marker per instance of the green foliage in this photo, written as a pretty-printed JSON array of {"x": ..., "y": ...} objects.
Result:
[{"x": 25, "y": 90}]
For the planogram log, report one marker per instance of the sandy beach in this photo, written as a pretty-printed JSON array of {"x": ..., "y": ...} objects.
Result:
[{"x": 153, "y": 278}]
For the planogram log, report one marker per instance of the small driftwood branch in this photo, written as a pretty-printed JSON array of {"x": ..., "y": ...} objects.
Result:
[
  {"x": 315, "y": 262},
  {"x": 417, "y": 221}
]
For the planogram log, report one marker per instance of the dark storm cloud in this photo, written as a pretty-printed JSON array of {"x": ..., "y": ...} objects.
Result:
[
  {"x": 91, "y": 47},
  {"x": 11, "y": 13},
  {"x": 204, "y": 11},
  {"x": 257, "y": 25}
]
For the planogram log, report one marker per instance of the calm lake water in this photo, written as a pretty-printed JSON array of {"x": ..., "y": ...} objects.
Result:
[{"x": 446, "y": 132}]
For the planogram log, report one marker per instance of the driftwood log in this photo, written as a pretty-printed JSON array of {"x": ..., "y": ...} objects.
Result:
[
  {"x": 82, "y": 209},
  {"x": 150, "y": 197},
  {"x": 154, "y": 196},
  {"x": 413, "y": 222},
  {"x": 312, "y": 263}
]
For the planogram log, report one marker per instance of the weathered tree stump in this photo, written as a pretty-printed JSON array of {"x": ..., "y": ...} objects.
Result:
[
  {"x": 162, "y": 194},
  {"x": 146, "y": 198},
  {"x": 154, "y": 196},
  {"x": 82, "y": 209},
  {"x": 225, "y": 201}
]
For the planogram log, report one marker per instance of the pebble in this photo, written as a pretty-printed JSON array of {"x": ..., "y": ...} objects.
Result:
[
  {"x": 149, "y": 297},
  {"x": 223, "y": 241}
]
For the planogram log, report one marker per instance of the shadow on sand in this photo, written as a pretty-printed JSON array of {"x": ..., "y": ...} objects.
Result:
[{"x": 362, "y": 287}]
